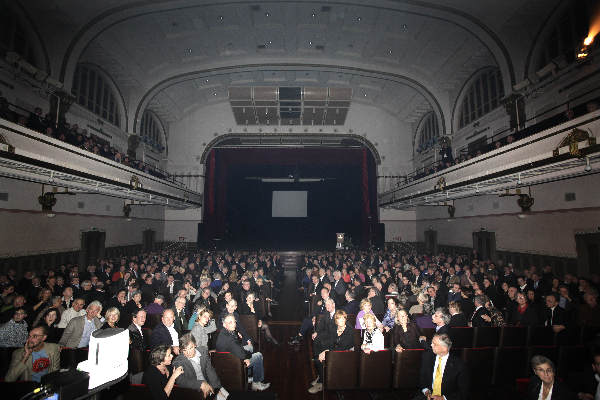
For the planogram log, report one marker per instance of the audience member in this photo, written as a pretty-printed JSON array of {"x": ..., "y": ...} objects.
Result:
[
  {"x": 406, "y": 333},
  {"x": 165, "y": 333},
  {"x": 231, "y": 341},
  {"x": 543, "y": 384},
  {"x": 14, "y": 332},
  {"x": 198, "y": 372},
  {"x": 159, "y": 376},
  {"x": 36, "y": 359},
  {"x": 76, "y": 310},
  {"x": 79, "y": 329}
]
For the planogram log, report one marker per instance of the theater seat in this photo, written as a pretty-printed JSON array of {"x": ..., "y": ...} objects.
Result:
[
  {"x": 428, "y": 333},
  {"x": 138, "y": 361},
  {"x": 250, "y": 323},
  {"x": 550, "y": 352},
  {"x": 340, "y": 370},
  {"x": 461, "y": 337},
  {"x": 541, "y": 336},
  {"x": 152, "y": 320},
  {"x": 513, "y": 336},
  {"x": 231, "y": 371},
  {"x": 407, "y": 367},
  {"x": 486, "y": 336},
  {"x": 375, "y": 370},
  {"x": 5, "y": 357},
  {"x": 572, "y": 360},
  {"x": 511, "y": 363},
  {"x": 69, "y": 357},
  {"x": 480, "y": 363}
]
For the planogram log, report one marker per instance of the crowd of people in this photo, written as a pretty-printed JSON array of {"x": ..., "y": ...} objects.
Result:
[
  {"x": 192, "y": 296},
  {"x": 398, "y": 293},
  {"x": 74, "y": 135},
  {"x": 198, "y": 299}
]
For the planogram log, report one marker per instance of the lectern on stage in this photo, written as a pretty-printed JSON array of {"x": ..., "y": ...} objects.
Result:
[{"x": 340, "y": 241}]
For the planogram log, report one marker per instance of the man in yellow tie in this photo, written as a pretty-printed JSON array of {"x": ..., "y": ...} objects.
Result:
[{"x": 443, "y": 376}]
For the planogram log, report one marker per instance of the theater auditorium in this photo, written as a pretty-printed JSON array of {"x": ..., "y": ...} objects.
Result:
[{"x": 381, "y": 199}]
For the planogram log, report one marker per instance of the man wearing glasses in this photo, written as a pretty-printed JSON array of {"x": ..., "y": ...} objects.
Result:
[{"x": 36, "y": 359}]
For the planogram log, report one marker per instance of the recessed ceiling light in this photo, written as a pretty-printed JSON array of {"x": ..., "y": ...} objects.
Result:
[
  {"x": 365, "y": 94},
  {"x": 220, "y": 18},
  {"x": 206, "y": 80},
  {"x": 313, "y": 14},
  {"x": 390, "y": 51},
  {"x": 267, "y": 14},
  {"x": 214, "y": 93},
  {"x": 404, "y": 26},
  {"x": 358, "y": 19},
  {"x": 310, "y": 43},
  {"x": 269, "y": 42},
  {"x": 189, "y": 50}
]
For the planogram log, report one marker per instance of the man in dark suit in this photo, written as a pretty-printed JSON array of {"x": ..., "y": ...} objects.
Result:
[
  {"x": 136, "y": 335},
  {"x": 230, "y": 340},
  {"x": 165, "y": 333},
  {"x": 457, "y": 318},
  {"x": 352, "y": 306},
  {"x": 443, "y": 376},
  {"x": 198, "y": 372},
  {"x": 338, "y": 287},
  {"x": 476, "y": 319},
  {"x": 181, "y": 321}
]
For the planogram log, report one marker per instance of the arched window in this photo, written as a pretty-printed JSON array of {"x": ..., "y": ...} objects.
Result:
[
  {"x": 566, "y": 37},
  {"x": 151, "y": 131},
  {"x": 428, "y": 133},
  {"x": 482, "y": 96},
  {"x": 14, "y": 35},
  {"x": 92, "y": 90}
]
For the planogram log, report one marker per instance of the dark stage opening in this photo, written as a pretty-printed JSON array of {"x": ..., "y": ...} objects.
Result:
[{"x": 317, "y": 193}]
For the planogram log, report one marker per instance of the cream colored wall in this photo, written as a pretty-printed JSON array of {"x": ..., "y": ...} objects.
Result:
[
  {"x": 400, "y": 225},
  {"x": 550, "y": 228},
  {"x": 182, "y": 223},
  {"x": 26, "y": 230}
]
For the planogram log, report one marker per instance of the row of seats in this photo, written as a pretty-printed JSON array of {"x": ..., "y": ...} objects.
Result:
[{"x": 490, "y": 368}]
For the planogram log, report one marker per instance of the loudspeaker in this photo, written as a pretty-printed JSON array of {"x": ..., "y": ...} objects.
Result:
[{"x": 378, "y": 234}]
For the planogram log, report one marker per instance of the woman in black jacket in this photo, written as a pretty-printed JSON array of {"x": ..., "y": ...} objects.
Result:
[
  {"x": 544, "y": 384},
  {"x": 524, "y": 314},
  {"x": 340, "y": 340},
  {"x": 406, "y": 333},
  {"x": 250, "y": 308}
]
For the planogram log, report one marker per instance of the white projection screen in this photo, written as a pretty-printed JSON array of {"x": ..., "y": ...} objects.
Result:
[{"x": 289, "y": 204}]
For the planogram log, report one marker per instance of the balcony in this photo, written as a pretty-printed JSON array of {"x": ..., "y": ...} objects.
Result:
[
  {"x": 31, "y": 156},
  {"x": 558, "y": 153}
]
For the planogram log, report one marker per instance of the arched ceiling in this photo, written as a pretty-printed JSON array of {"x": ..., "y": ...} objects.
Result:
[{"x": 405, "y": 56}]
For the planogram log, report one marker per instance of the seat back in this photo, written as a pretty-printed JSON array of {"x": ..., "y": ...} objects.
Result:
[
  {"x": 480, "y": 363},
  {"x": 340, "y": 370},
  {"x": 69, "y": 357},
  {"x": 541, "y": 336},
  {"x": 358, "y": 338},
  {"x": 571, "y": 360},
  {"x": 137, "y": 360},
  {"x": 513, "y": 336},
  {"x": 250, "y": 323},
  {"x": 231, "y": 371},
  {"x": 152, "y": 320},
  {"x": 375, "y": 370},
  {"x": 5, "y": 357},
  {"x": 407, "y": 367},
  {"x": 462, "y": 337},
  {"x": 428, "y": 333},
  {"x": 550, "y": 352},
  {"x": 511, "y": 363},
  {"x": 486, "y": 336}
]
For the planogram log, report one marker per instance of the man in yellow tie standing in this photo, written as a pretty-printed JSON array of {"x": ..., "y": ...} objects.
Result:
[{"x": 443, "y": 376}]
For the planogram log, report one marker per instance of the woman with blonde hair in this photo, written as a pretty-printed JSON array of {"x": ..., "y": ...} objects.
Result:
[
  {"x": 365, "y": 308},
  {"x": 373, "y": 338},
  {"x": 111, "y": 316}
]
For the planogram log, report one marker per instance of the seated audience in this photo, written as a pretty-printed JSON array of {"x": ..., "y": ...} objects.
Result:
[
  {"x": 14, "y": 332},
  {"x": 231, "y": 341},
  {"x": 457, "y": 318},
  {"x": 248, "y": 308},
  {"x": 181, "y": 321},
  {"x": 159, "y": 376},
  {"x": 50, "y": 320},
  {"x": 351, "y": 306},
  {"x": 590, "y": 388},
  {"x": 372, "y": 337},
  {"x": 79, "y": 329},
  {"x": 390, "y": 314},
  {"x": 494, "y": 317},
  {"x": 203, "y": 327},
  {"x": 198, "y": 372},
  {"x": 442, "y": 374},
  {"x": 543, "y": 384},
  {"x": 477, "y": 319},
  {"x": 365, "y": 308},
  {"x": 340, "y": 339},
  {"x": 136, "y": 333},
  {"x": 36, "y": 359},
  {"x": 76, "y": 310},
  {"x": 523, "y": 314},
  {"x": 165, "y": 333},
  {"x": 112, "y": 317},
  {"x": 156, "y": 307},
  {"x": 406, "y": 333}
]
